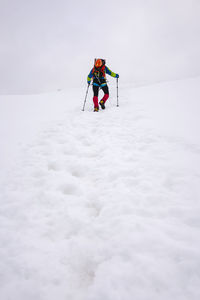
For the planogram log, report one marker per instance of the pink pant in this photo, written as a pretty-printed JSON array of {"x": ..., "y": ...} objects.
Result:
[{"x": 95, "y": 100}]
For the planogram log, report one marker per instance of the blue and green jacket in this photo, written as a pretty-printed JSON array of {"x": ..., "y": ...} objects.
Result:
[{"x": 99, "y": 76}]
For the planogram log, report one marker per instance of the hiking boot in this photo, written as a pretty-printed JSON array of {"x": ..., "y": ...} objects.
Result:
[
  {"x": 102, "y": 104},
  {"x": 96, "y": 109}
]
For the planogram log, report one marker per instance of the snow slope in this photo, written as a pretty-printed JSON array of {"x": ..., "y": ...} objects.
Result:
[{"x": 102, "y": 205}]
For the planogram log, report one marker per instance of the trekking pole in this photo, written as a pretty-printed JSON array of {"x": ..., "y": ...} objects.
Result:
[
  {"x": 117, "y": 94},
  {"x": 85, "y": 97}
]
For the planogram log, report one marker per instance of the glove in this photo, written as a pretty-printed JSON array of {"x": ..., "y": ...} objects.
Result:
[
  {"x": 117, "y": 76},
  {"x": 88, "y": 82}
]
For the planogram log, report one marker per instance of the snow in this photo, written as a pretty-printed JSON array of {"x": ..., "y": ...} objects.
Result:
[{"x": 101, "y": 205}]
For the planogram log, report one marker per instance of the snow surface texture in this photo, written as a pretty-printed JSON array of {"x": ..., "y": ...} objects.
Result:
[{"x": 102, "y": 205}]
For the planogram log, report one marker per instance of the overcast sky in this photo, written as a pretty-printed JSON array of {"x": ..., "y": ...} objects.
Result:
[{"x": 47, "y": 44}]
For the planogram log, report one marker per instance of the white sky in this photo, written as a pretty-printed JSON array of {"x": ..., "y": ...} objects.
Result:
[{"x": 48, "y": 44}]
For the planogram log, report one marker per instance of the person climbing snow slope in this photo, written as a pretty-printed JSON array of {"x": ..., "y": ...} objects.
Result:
[{"x": 98, "y": 74}]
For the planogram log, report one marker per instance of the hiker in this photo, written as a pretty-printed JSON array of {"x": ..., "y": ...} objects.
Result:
[{"x": 98, "y": 73}]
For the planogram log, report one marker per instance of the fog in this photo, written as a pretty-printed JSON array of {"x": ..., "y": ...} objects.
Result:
[{"x": 50, "y": 45}]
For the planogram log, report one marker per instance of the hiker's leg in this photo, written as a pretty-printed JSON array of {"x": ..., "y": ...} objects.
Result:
[
  {"x": 95, "y": 98},
  {"x": 106, "y": 93}
]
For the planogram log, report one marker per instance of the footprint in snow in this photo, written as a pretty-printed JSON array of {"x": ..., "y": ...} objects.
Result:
[{"x": 69, "y": 189}]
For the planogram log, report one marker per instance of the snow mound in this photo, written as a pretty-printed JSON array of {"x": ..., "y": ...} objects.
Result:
[{"x": 106, "y": 205}]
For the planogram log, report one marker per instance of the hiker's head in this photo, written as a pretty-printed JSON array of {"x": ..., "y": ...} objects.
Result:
[{"x": 98, "y": 63}]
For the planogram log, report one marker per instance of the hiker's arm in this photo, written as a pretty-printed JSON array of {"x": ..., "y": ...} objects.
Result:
[
  {"x": 89, "y": 77},
  {"x": 109, "y": 72}
]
